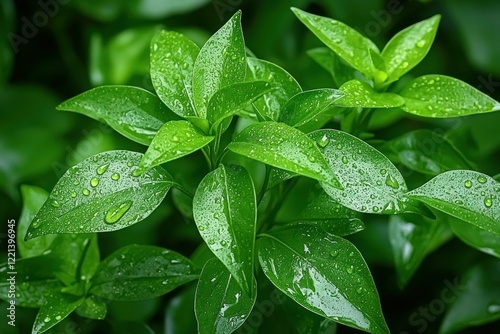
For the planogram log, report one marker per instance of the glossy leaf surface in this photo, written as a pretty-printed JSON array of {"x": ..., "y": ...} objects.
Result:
[{"x": 360, "y": 94}]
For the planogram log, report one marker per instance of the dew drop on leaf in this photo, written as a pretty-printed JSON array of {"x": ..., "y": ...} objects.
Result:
[
  {"x": 468, "y": 183},
  {"x": 311, "y": 158},
  {"x": 421, "y": 43},
  {"x": 73, "y": 194},
  {"x": 344, "y": 159},
  {"x": 334, "y": 253},
  {"x": 175, "y": 139},
  {"x": 58, "y": 317},
  {"x": 201, "y": 228},
  {"x": 76, "y": 182},
  {"x": 359, "y": 290},
  {"x": 323, "y": 141},
  {"x": 130, "y": 164},
  {"x": 102, "y": 169},
  {"x": 488, "y": 202},
  {"x": 391, "y": 182},
  {"x": 46, "y": 319},
  {"x": 54, "y": 203},
  {"x": 375, "y": 209},
  {"x": 116, "y": 212},
  {"x": 481, "y": 179},
  {"x": 94, "y": 182},
  {"x": 350, "y": 269},
  {"x": 383, "y": 171},
  {"x": 86, "y": 192},
  {"x": 115, "y": 176}
]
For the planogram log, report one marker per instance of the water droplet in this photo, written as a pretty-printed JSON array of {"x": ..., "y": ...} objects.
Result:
[
  {"x": 344, "y": 159},
  {"x": 223, "y": 243},
  {"x": 339, "y": 146},
  {"x": 175, "y": 139},
  {"x": 311, "y": 158},
  {"x": 375, "y": 209},
  {"x": 459, "y": 202},
  {"x": 116, "y": 212},
  {"x": 383, "y": 171},
  {"x": 130, "y": 164},
  {"x": 359, "y": 290},
  {"x": 494, "y": 308},
  {"x": 73, "y": 194},
  {"x": 334, "y": 253},
  {"x": 421, "y": 43},
  {"x": 404, "y": 65},
  {"x": 94, "y": 182},
  {"x": 54, "y": 203},
  {"x": 350, "y": 269},
  {"x": 46, "y": 319},
  {"x": 76, "y": 182},
  {"x": 391, "y": 182},
  {"x": 201, "y": 228},
  {"x": 481, "y": 179},
  {"x": 115, "y": 176},
  {"x": 36, "y": 224},
  {"x": 58, "y": 317},
  {"x": 488, "y": 202},
  {"x": 468, "y": 183},
  {"x": 86, "y": 192},
  {"x": 323, "y": 141},
  {"x": 216, "y": 216},
  {"x": 102, "y": 169}
]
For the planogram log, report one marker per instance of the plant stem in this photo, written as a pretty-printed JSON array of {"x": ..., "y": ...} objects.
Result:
[{"x": 264, "y": 185}]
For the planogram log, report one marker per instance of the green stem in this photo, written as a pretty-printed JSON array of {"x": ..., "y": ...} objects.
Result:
[
  {"x": 82, "y": 260},
  {"x": 183, "y": 189},
  {"x": 263, "y": 190},
  {"x": 364, "y": 120}
]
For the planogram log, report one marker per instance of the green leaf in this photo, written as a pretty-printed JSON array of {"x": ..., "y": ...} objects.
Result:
[
  {"x": 325, "y": 274},
  {"x": 221, "y": 62},
  {"x": 175, "y": 139},
  {"x": 33, "y": 199},
  {"x": 476, "y": 298},
  {"x": 93, "y": 307},
  {"x": 34, "y": 281},
  {"x": 338, "y": 69},
  {"x": 371, "y": 182},
  {"x": 467, "y": 195},
  {"x": 427, "y": 152},
  {"x": 172, "y": 64},
  {"x": 346, "y": 42},
  {"x": 270, "y": 105},
  {"x": 57, "y": 306},
  {"x": 133, "y": 112},
  {"x": 101, "y": 194},
  {"x": 359, "y": 94},
  {"x": 440, "y": 96},
  {"x": 156, "y": 9},
  {"x": 412, "y": 239},
  {"x": 305, "y": 106},
  {"x": 282, "y": 146},
  {"x": 476, "y": 237},
  {"x": 230, "y": 99},
  {"x": 225, "y": 209},
  {"x": 221, "y": 305},
  {"x": 408, "y": 47},
  {"x": 138, "y": 272}
]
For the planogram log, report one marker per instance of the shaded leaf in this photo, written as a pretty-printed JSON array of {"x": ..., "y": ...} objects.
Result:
[
  {"x": 325, "y": 274},
  {"x": 269, "y": 106},
  {"x": 332, "y": 63},
  {"x": 467, "y": 195},
  {"x": 101, "y": 194},
  {"x": 138, "y": 272},
  {"x": 224, "y": 208},
  {"x": 172, "y": 64},
  {"x": 57, "y": 306},
  {"x": 305, "y": 106},
  {"x": 284, "y": 147},
  {"x": 92, "y": 307},
  {"x": 476, "y": 237},
  {"x": 221, "y": 305},
  {"x": 441, "y": 96},
  {"x": 133, "y": 112}
]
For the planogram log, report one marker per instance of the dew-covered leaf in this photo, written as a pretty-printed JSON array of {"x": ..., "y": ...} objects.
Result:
[
  {"x": 325, "y": 274},
  {"x": 282, "y": 146},
  {"x": 360, "y": 94},
  {"x": 371, "y": 182},
  {"x": 33, "y": 199},
  {"x": 172, "y": 64},
  {"x": 174, "y": 139},
  {"x": 412, "y": 239},
  {"x": 332, "y": 63},
  {"x": 92, "y": 307},
  {"x": 101, "y": 194},
  {"x": 221, "y": 305},
  {"x": 270, "y": 105},
  {"x": 471, "y": 196},
  {"x": 408, "y": 47},
  {"x": 57, "y": 306},
  {"x": 225, "y": 209},
  {"x": 305, "y": 106},
  {"x": 476, "y": 298},
  {"x": 345, "y": 41},
  {"x": 230, "y": 99},
  {"x": 440, "y": 96},
  {"x": 221, "y": 62},
  {"x": 133, "y": 112},
  {"x": 476, "y": 237},
  {"x": 137, "y": 272},
  {"x": 34, "y": 280},
  {"x": 427, "y": 152}
]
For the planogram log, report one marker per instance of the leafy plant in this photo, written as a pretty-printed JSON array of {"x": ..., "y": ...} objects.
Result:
[{"x": 263, "y": 138}]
